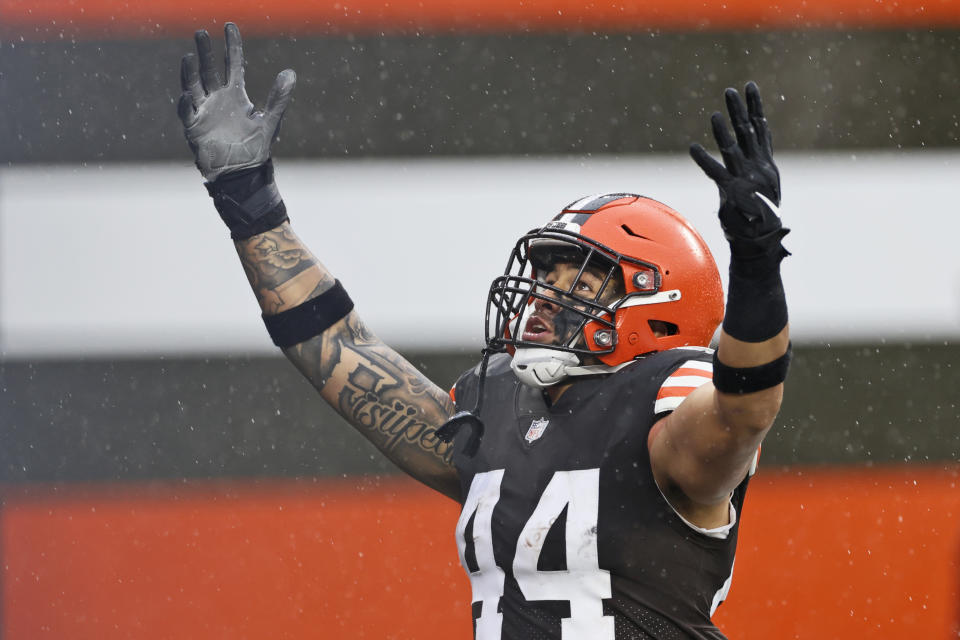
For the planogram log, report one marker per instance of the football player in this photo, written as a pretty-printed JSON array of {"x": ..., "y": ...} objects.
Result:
[{"x": 600, "y": 450}]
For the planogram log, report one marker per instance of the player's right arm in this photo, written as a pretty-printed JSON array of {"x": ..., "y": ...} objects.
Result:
[{"x": 382, "y": 395}]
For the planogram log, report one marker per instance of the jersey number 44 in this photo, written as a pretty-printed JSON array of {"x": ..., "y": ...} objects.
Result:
[{"x": 583, "y": 584}]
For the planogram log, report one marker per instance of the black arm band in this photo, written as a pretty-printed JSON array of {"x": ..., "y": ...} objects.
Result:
[
  {"x": 728, "y": 379},
  {"x": 756, "y": 304},
  {"x": 309, "y": 319},
  {"x": 248, "y": 201}
]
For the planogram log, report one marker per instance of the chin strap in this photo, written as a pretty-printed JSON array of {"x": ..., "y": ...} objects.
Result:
[
  {"x": 539, "y": 367},
  {"x": 457, "y": 421}
]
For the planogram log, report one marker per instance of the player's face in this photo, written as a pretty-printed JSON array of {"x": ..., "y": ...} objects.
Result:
[{"x": 550, "y": 323}]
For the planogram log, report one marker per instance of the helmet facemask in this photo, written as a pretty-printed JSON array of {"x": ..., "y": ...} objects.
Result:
[{"x": 561, "y": 281}]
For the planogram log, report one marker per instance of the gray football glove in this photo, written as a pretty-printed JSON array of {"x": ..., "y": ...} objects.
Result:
[{"x": 222, "y": 127}]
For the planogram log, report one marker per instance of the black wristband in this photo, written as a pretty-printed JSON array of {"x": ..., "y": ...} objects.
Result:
[
  {"x": 728, "y": 379},
  {"x": 248, "y": 201},
  {"x": 309, "y": 319}
]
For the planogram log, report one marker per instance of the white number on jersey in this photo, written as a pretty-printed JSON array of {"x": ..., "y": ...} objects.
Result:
[
  {"x": 487, "y": 580},
  {"x": 583, "y": 583}
]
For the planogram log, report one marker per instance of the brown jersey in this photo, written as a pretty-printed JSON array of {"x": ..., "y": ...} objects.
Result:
[{"x": 563, "y": 531}]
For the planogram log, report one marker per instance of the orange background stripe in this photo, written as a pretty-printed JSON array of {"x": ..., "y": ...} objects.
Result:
[
  {"x": 822, "y": 554},
  {"x": 45, "y": 18}
]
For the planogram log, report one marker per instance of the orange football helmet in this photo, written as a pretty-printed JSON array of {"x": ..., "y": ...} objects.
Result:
[{"x": 664, "y": 276}]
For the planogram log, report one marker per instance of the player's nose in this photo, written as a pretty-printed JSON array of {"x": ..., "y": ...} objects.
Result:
[{"x": 546, "y": 301}]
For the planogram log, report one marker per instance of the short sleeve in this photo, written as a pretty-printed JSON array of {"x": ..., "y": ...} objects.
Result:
[{"x": 679, "y": 384}]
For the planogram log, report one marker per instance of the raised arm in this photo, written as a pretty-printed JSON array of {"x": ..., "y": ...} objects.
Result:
[
  {"x": 306, "y": 311},
  {"x": 704, "y": 449}
]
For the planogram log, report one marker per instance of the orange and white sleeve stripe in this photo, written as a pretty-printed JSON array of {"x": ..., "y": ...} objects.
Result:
[{"x": 681, "y": 383}]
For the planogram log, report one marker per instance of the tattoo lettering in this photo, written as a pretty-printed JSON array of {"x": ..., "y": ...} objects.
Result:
[
  {"x": 379, "y": 392},
  {"x": 362, "y": 401}
]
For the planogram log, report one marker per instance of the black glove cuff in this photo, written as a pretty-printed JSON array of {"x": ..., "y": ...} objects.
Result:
[
  {"x": 756, "y": 303},
  {"x": 762, "y": 252},
  {"x": 248, "y": 201},
  {"x": 728, "y": 379}
]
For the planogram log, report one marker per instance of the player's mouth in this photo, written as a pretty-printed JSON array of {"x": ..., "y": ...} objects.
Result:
[{"x": 538, "y": 330}]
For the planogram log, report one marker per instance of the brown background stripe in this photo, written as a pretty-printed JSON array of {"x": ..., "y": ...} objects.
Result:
[
  {"x": 109, "y": 101},
  {"x": 240, "y": 417}
]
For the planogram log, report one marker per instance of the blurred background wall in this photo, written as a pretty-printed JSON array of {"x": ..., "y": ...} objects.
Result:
[{"x": 161, "y": 467}]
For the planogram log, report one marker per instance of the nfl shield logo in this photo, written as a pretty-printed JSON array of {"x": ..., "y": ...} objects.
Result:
[{"x": 537, "y": 427}]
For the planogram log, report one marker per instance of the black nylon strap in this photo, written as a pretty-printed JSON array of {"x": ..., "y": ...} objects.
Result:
[
  {"x": 309, "y": 319},
  {"x": 749, "y": 379},
  {"x": 270, "y": 220},
  {"x": 248, "y": 201}
]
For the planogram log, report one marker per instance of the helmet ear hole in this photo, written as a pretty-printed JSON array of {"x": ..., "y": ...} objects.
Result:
[{"x": 662, "y": 328}]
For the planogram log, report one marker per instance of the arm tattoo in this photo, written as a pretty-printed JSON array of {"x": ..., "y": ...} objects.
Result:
[
  {"x": 276, "y": 264},
  {"x": 391, "y": 403},
  {"x": 379, "y": 392}
]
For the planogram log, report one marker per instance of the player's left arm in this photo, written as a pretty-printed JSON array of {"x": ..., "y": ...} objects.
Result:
[{"x": 704, "y": 449}]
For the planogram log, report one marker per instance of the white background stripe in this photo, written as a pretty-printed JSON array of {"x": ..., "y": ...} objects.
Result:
[{"x": 86, "y": 268}]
